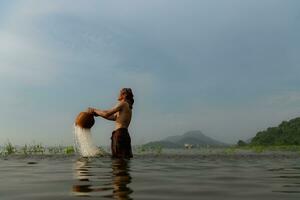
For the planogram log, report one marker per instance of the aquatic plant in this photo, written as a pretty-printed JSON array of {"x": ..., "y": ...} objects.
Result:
[
  {"x": 264, "y": 148},
  {"x": 53, "y": 150},
  {"x": 56, "y": 150},
  {"x": 141, "y": 149},
  {"x": 154, "y": 149},
  {"x": 33, "y": 149},
  {"x": 292, "y": 148},
  {"x": 158, "y": 149},
  {"x": 230, "y": 150},
  {"x": 37, "y": 149},
  {"x": 8, "y": 149},
  {"x": 25, "y": 149},
  {"x": 102, "y": 149},
  {"x": 258, "y": 149},
  {"x": 69, "y": 150}
]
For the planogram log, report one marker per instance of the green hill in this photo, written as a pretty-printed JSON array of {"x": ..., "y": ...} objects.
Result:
[
  {"x": 196, "y": 138},
  {"x": 287, "y": 133},
  {"x": 165, "y": 144}
]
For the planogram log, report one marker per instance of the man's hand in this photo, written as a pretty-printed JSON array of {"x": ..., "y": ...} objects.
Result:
[
  {"x": 91, "y": 110},
  {"x": 107, "y": 114}
]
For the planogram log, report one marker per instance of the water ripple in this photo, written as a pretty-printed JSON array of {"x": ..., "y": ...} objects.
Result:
[{"x": 161, "y": 177}]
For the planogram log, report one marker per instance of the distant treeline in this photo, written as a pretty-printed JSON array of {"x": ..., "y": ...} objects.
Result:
[{"x": 287, "y": 133}]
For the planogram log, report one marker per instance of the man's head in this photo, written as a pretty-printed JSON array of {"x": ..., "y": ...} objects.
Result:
[{"x": 127, "y": 95}]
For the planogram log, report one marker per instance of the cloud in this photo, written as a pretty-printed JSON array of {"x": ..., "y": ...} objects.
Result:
[
  {"x": 223, "y": 67},
  {"x": 23, "y": 60}
]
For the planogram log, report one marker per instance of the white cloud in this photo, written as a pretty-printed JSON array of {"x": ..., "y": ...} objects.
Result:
[{"x": 23, "y": 61}]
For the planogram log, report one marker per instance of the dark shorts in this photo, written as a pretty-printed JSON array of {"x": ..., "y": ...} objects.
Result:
[{"x": 121, "y": 144}]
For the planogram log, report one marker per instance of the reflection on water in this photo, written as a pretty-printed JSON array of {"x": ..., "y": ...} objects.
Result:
[
  {"x": 186, "y": 178},
  {"x": 96, "y": 180},
  {"x": 121, "y": 178},
  {"x": 176, "y": 177}
]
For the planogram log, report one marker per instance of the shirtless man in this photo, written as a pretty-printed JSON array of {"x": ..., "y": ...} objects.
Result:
[{"x": 121, "y": 114}]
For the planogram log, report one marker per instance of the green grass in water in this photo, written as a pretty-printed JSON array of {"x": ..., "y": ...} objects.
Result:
[
  {"x": 260, "y": 148},
  {"x": 157, "y": 149},
  {"x": 8, "y": 149},
  {"x": 35, "y": 149}
]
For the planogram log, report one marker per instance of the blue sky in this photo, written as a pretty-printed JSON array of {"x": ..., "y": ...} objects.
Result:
[{"x": 228, "y": 68}]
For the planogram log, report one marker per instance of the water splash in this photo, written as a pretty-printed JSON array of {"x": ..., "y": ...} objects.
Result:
[{"x": 83, "y": 143}]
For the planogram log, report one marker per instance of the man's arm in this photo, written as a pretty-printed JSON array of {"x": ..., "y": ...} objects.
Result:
[
  {"x": 113, "y": 117},
  {"x": 108, "y": 114}
]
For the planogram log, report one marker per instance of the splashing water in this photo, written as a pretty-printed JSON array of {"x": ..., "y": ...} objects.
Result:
[{"x": 84, "y": 144}]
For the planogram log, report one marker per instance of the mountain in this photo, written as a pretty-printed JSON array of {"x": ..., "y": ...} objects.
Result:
[
  {"x": 165, "y": 144},
  {"x": 196, "y": 138},
  {"x": 287, "y": 133},
  {"x": 193, "y": 137}
]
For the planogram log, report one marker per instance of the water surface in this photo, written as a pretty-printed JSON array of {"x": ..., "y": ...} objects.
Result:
[{"x": 151, "y": 177}]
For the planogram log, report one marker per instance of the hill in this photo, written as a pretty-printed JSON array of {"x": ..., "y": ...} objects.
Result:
[
  {"x": 196, "y": 138},
  {"x": 287, "y": 133},
  {"x": 165, "y": 144}
]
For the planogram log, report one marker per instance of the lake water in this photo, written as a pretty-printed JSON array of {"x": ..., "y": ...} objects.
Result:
[{"x": 165, "y": 176}]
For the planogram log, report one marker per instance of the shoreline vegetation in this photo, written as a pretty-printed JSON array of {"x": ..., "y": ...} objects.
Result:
[
  {"x": 282, "y": 139},
  {"x": 287, "y": 133},
  {"x": 38, "y": 149},
  {"x": 35, "y": 149}
]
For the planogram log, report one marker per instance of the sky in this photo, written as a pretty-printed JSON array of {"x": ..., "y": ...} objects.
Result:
[{"x": 228, "y": 68}]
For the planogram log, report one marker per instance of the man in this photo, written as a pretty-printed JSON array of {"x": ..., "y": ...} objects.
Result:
[{"x": 121, "y": 114}]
